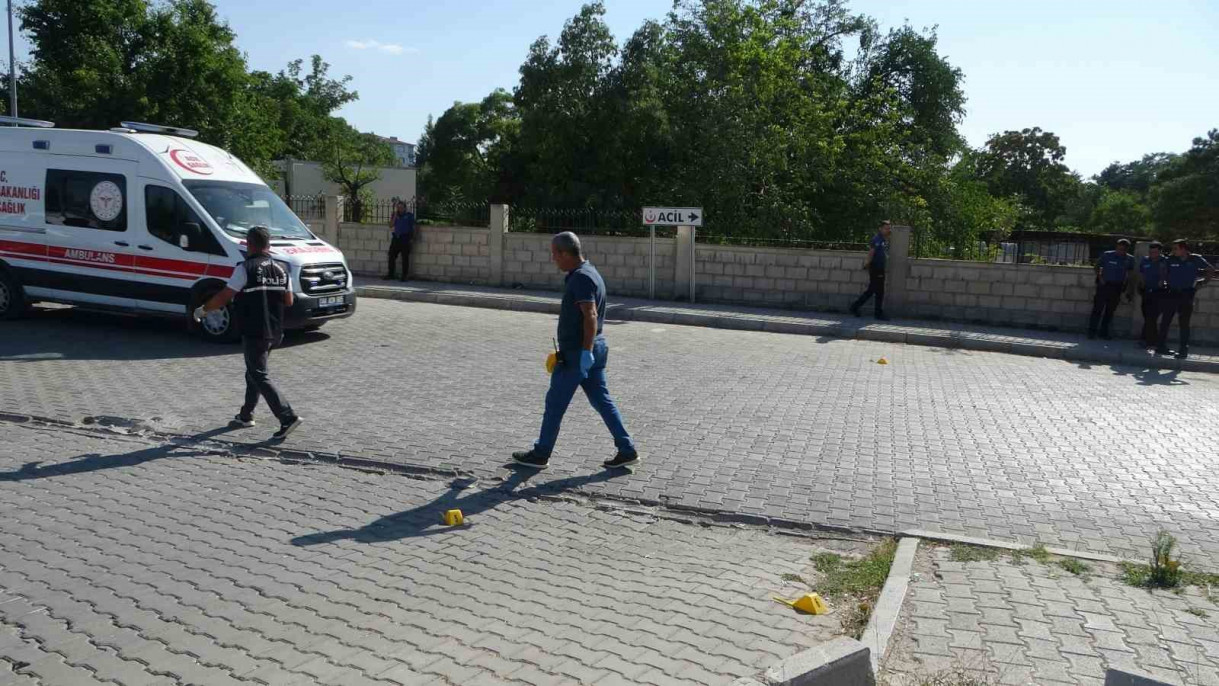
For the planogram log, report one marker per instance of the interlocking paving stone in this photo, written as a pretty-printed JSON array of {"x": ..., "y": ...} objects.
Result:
[
  {"x": 1123, "y": 629},
  {"x": 203, "y": 568},
  {"x": 793, "y": 427}
]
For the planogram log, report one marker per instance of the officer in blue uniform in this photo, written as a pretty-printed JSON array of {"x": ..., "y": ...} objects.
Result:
[
  {"x": 876, "y": 263},
  {"x": 1186, "y": 271},
  {"x": 1113, "y": 271},
  {"x": 583, "y": 354},
  {"x": 1153, "y": 277}
]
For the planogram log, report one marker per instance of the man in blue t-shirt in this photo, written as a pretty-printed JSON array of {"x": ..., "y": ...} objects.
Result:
[
  {"x": 878, "y": 258},
  {"x": 583, "y": 354},
  {"x": 1113, "y": 272},
  {"x": 1153, "y": 279},
  {"x": 1186, "y": 271}
]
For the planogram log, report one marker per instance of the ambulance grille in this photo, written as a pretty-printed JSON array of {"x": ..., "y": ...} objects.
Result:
[{"x": 319, "y": 279}]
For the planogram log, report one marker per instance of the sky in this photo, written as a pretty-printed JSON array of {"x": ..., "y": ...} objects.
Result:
[{"x": 1115, "y": 79}]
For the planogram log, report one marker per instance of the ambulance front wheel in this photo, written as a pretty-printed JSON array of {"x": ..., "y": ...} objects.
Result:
[
  {"x": 218, "y": 326},
  {"x": 12, "y": 297}
]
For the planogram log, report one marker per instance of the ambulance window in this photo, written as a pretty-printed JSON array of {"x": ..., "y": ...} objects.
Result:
[
  {"x": 86, "y": 200},
  {"x": 167, "y": 214}
]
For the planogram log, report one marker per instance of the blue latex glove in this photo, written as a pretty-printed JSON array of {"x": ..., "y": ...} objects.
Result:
[{"x": 586, "y": 362}]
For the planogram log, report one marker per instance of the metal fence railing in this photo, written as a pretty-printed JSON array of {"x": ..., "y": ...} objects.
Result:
[
  {"x": 307, "y": 207},
  {"x": 712, "y": 238},
  {"x": 583, "y": 221},
  {"x": 1021, "y": 247},
  {"x": 382, "y": 211}
]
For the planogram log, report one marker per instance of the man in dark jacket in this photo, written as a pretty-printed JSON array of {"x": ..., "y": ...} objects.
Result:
[
  {"x": 1186, "y": 272},
  {"x": 261, "y": 287},
  {"x": 403, "y": 226},
  {"x": 1113, "y": 272}
]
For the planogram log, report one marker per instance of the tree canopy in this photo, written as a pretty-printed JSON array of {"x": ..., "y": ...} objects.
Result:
[{"x": 94, "y": 63}]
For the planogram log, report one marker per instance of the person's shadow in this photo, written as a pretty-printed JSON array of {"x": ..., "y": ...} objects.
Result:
[
  {"x": 425, "y": 520},
  {"x": 93, "y": 462}
]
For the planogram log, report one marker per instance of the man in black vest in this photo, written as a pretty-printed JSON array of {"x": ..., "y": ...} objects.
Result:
[{"x": 262, "y": 291}]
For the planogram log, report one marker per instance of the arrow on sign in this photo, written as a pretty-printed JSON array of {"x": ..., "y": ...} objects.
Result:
[{"x": 693, "y": 217}]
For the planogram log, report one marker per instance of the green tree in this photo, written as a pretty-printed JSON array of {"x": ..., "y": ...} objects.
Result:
[
  {"x": 1138, "y": 176},
  {"x": 1029, "y": 164},
  {"x": 465, "y": 152},
  {"x": 352, "y": 160},
  {"x": 1121, "y": 212},
  {"x": 1185, "y": 196}
]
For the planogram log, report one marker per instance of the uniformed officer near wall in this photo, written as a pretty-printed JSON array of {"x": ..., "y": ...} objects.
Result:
[
  {"x": 1114, "y": 274},
  {"x": 262, "y": 290},
  {"x": 876, "y": 264},
  {"x": 1186, "y": 272},
  {"x": 1153, "y": 286}
]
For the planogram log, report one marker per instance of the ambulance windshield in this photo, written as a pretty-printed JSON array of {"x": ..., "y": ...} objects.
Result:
[{"x": 239, "y": 207}]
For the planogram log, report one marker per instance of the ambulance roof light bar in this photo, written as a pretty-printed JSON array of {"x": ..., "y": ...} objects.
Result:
[
  {"x": 34, "y": 123},
  {"x": 141, "y": 127}
]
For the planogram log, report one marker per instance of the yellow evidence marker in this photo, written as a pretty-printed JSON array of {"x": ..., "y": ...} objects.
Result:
[
  {"x": 551, "y": 360},
  {"x": 882, "y": 361},
  {"x": 454, "y": 518},
  {"x": 809, "y": 602}
]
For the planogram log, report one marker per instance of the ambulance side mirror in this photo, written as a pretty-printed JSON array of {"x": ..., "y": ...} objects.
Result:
[{"x": 190, "y": 234}]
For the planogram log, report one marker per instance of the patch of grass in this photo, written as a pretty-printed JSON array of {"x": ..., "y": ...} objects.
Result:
[
  {"x": 1074, "y": 566},
  {"x": 1198, "y": 612},
  {"x": 863, "y": 577},
  {"x": 973, "y": 553},
  {"x": 1165, "y": 569},
  {"x": 1038, "y": 552},
  {"x": 955, "y": 677},
  {"x": 824, "y": 562},
  {"x": 794, "y": 577}
]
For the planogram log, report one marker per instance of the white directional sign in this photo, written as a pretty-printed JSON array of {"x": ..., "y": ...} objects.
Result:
[{"x": 672, "y": 216}]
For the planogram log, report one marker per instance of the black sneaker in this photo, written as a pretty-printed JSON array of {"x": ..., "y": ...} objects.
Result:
[
  {"x": 286, "y": 428},
  {"x": 622, "y": 460},
  {"x": 1182, "y": 354},
  {"x": 1161, "y": 350},
  {"x": 854, "y": 311},
  {"x": 243, "y": 422},
  {"x": 882, "y": 317},
  {"x": 531, "y": 459}
]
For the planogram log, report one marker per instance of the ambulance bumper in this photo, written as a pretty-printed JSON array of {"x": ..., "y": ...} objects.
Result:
[{"x": 307, "y": 309}]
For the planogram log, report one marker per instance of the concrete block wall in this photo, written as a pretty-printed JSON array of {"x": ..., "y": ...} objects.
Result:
[
  {"x": 623, "y": 262},
  {"x": 1041, "y": 296},
  {"x": 453, "y": 254},
  {"x": 779, "y": 277}
]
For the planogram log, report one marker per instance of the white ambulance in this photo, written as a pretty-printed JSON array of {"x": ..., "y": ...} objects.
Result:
[{"x": 143, "y": 219}]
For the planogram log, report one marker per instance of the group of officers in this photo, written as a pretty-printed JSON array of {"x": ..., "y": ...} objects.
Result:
[{"x": 1168, "y": 285}]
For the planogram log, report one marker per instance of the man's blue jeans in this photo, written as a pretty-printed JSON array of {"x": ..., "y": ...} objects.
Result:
[{"x": 563, "y": 384}]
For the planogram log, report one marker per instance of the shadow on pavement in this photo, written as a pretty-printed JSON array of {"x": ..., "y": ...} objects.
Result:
[
  {"x": 1152, "y": 377},
  {"x": 425, "y": 519},
  {"x": 68, "y": 333},
  {"x": 93, "y": 462}
]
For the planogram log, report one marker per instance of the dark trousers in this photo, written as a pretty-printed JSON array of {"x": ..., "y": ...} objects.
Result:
[
  {"x": 258, "y": 381},
  {"x": 876, "y": 287},
  {"x": 1179, "y": 304},
  {"x": 1152, "y": 306},
  {"x": 399, "y": 246},
  {"x": 1108, "y": 295}
]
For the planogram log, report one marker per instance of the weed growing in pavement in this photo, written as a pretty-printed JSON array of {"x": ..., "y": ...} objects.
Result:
[
  {"x": 858, "y": 582},
  {"x": 824, "y": 562},
  {"x": 1165, "y": 569},
  {"x": 794, "y": 577},
  {"x": 957, "y": 676},
  {"x": 972, "y": 553},
  {"x": 1198, "y": 612},
  {"x": 1074, "y": 566}
]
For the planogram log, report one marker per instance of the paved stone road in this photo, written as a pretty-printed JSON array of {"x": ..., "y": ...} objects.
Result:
[
  {"x": 1037, "y": 624},
  {"x": 129, "y": 562},
  {"x": 1090, "y": 457}
]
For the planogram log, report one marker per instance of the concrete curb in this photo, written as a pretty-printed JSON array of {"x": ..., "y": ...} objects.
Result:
[
  {"x": 1008, "y": 545},
  {"x": 727, "y": 319},
  {"x": 840, "y": 662},
  {"x": 889, "y": 605},
  {"x": 1118, "y": 677}
]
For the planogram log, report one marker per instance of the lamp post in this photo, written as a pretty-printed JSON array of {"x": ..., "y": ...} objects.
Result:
[{"x": 12, "y": 65}]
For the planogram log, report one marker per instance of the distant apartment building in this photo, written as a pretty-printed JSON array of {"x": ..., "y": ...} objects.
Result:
[{"x": 403, "y": 151}]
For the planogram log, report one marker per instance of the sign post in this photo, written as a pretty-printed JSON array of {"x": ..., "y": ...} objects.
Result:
[{"x": 669, "y": 216}]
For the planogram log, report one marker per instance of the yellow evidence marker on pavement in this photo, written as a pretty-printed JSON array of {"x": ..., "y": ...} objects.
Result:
[
  {"x": 454, "y": 518},
  {"x": 882, "y": 361},
  {"x": 809, "y": 602}
]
